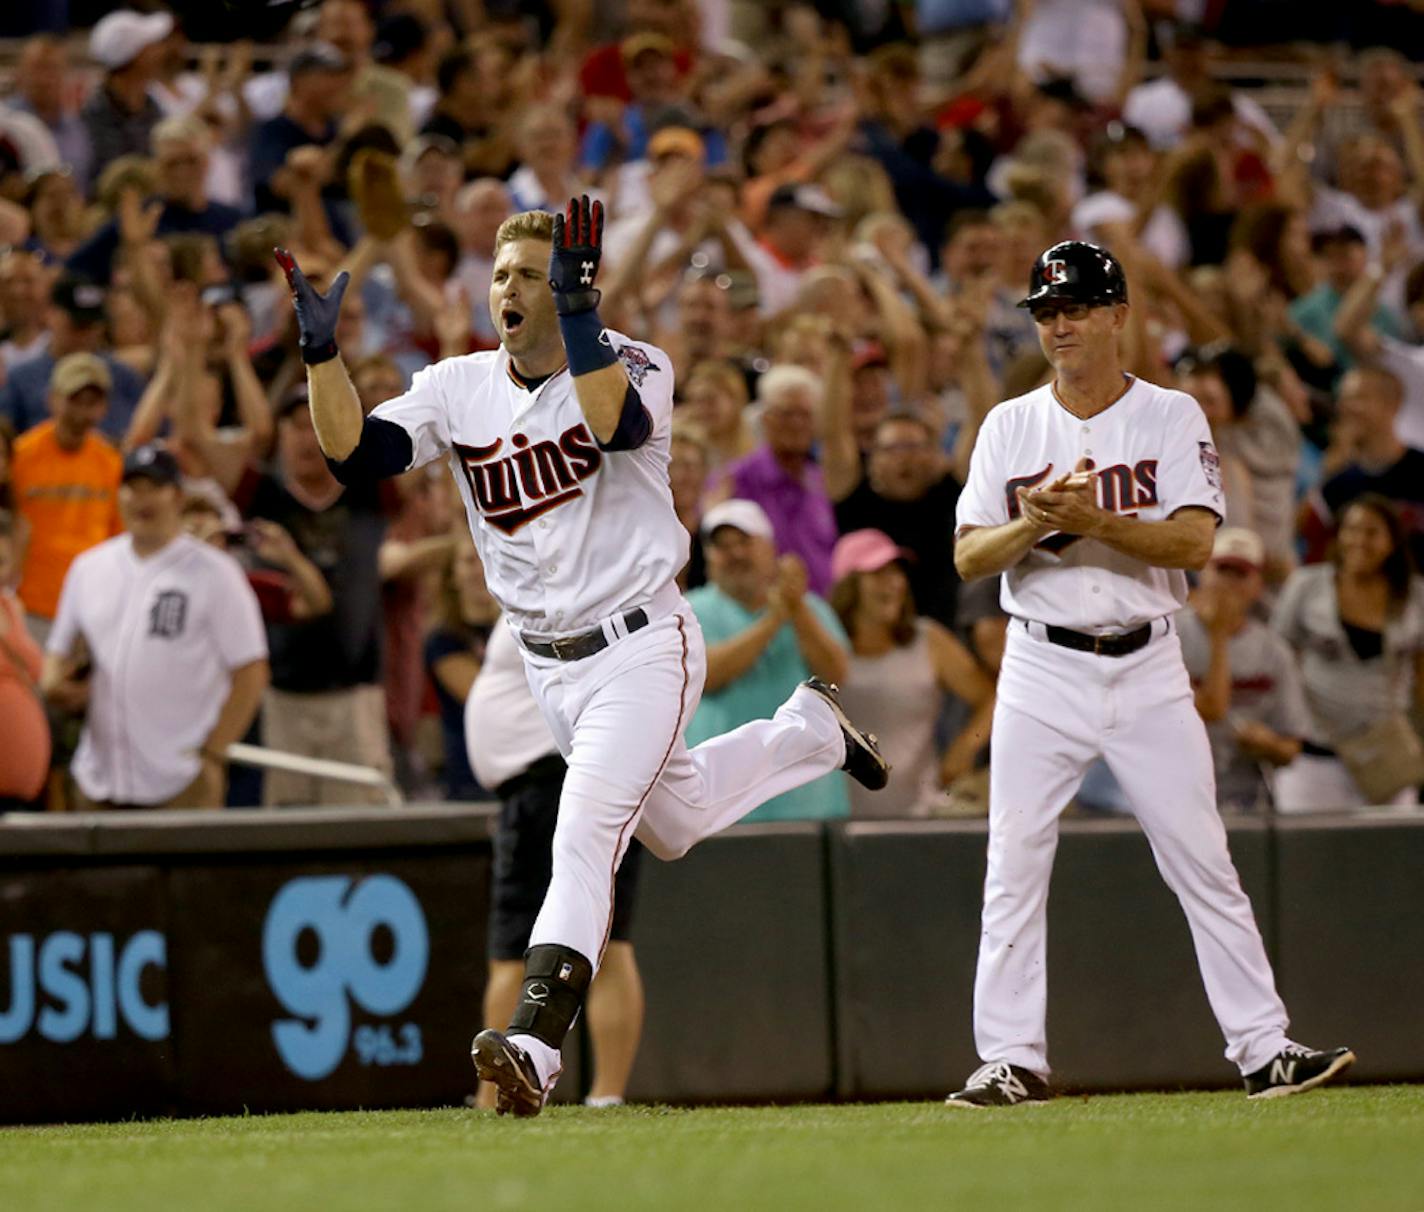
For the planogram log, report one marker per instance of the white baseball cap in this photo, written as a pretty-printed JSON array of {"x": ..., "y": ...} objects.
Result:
[
  {"x": 746, "y": 516},
  {"x": 1239, "y": 546},
  {"x": 118, "y": 38}
]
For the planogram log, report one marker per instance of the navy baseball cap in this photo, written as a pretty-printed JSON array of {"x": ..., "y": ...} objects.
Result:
[{"x": 152, "y": 462}]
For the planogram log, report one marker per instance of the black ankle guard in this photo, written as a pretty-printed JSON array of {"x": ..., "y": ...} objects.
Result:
[{"x": 555, "y": 981}]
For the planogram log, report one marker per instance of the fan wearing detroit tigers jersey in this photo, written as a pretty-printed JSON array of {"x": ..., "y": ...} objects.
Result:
[
  {"x": 1093, "y": 496},
  {"x": 559, "y": 442}
]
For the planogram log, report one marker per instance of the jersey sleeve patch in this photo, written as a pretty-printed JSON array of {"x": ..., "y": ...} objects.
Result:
[
  {"x": 1211, "y": 464},
  {"x": 636, "y": 364}
]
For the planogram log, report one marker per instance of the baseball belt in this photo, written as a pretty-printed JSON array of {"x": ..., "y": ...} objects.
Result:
[
  {"x": 1100, "y": 645},
  {"x": 586, "y": 643}
]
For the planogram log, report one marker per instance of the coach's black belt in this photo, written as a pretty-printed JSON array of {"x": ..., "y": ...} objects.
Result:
[
  {"x": 1100, "y": 645},
  {"x": 586, "y": 643}
]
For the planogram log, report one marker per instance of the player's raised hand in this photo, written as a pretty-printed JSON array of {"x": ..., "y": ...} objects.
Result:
[
  {"x": 573, "y": 264},
  {"x": 316, "y": 312}
]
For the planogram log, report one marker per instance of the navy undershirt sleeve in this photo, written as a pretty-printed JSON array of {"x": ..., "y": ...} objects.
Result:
[
  {"x": 384, "y": 450},
  {"x": 635, "y": 424}
]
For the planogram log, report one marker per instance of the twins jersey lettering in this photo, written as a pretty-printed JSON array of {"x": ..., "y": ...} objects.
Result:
[
  {"x": 531, "y": 475},
  {"x": 1152, "y": 454}
]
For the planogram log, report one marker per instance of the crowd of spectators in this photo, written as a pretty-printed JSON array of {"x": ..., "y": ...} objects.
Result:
[{"x": 825, "y": 213}]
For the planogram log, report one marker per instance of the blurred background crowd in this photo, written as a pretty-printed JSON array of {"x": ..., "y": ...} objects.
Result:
[{"x": 826, "y": 213}]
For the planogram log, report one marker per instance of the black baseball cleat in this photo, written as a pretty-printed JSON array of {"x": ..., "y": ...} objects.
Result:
[
  {"x": 1294, "y": 1070},
  {"x": 863, "y": 761},
  {"x": 508, "y": 1066},
  {"x": 1000, "y": 1084}
]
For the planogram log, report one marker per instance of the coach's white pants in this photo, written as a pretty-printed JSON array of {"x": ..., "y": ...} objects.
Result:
[
  {"x": 1058, "y": 710},
  {"x": 618, "y": 718}
]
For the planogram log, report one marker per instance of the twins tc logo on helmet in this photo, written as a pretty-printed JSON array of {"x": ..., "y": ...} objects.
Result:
[{"x": 1055, "y": 272}]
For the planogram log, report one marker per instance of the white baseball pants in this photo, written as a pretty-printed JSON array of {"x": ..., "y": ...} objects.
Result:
[
  {"x": 1057, "y": 710},
  {"x": 618, "y": 718}
]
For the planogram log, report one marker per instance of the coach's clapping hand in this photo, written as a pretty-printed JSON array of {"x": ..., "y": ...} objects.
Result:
[
  {"x": 1068, "y": 505},
  {"x": 316, "y": 312}
]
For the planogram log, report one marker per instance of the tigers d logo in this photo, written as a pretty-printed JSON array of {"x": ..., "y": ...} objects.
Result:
[{"x": 1055, "y": 272}]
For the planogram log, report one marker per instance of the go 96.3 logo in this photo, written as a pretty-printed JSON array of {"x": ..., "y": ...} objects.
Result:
[{"x": 331, "y": 942}]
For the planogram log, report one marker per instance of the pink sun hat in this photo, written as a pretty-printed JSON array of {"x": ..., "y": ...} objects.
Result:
[{"x": 865, "y": 551}]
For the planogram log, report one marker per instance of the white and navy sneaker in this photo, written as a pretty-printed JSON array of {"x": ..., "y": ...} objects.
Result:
[
  {"x": 1000, "y": 1084},
  {"x": 508, "y": 1067},
  {"x": 1294, "y": 1070},
  {"x": 863, "y": 761}
]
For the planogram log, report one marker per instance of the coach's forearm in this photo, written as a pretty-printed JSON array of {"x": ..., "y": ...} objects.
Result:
[
  {"x": 335, "y": 408},
  {"x": 1183, "y": 541},
  {"x": 986, "y": 551}
]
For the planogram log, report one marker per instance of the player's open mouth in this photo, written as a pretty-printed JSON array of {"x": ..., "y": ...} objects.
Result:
[{"x": 512, "y": 320}]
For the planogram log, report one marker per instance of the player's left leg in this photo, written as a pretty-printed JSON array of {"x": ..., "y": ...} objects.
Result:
[
  {"x": 1159, "y": 752},
  {"x": 709, "y": 788}
]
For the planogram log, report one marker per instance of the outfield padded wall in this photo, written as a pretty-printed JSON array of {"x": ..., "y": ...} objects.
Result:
[
  {"x": 782, "y": 962},
  {"x": 733, "y": 945},
  {"x": 1350, "y": 952}
]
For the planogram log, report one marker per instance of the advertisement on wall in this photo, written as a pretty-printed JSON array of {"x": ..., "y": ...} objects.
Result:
[
  {"x": 328, "y": 985},
  {"x": 86, "y": 1023}
]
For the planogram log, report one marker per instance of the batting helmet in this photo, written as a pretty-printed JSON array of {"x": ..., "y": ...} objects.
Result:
[{"x": 1076, "y": 272}]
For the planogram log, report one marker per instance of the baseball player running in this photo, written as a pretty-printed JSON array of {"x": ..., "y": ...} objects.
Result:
[
  {"x": 559, "y": 443},
  {"x": 1092, "y": 495}
]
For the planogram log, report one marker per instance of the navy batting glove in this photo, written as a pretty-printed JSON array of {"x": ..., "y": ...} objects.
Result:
[
  {"x": 316, "y": 312},
  {"x": 578, "y": 248}
]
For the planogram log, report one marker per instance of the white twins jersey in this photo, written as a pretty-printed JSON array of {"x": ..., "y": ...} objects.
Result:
[
  {"x": 569, "y": 534},
  {"x": 165, "y": 633},
  {"x": 1152, "y": 453}
]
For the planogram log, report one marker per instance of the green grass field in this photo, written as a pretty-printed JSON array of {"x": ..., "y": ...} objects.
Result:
[{"x": 1338, "y": 1149}]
